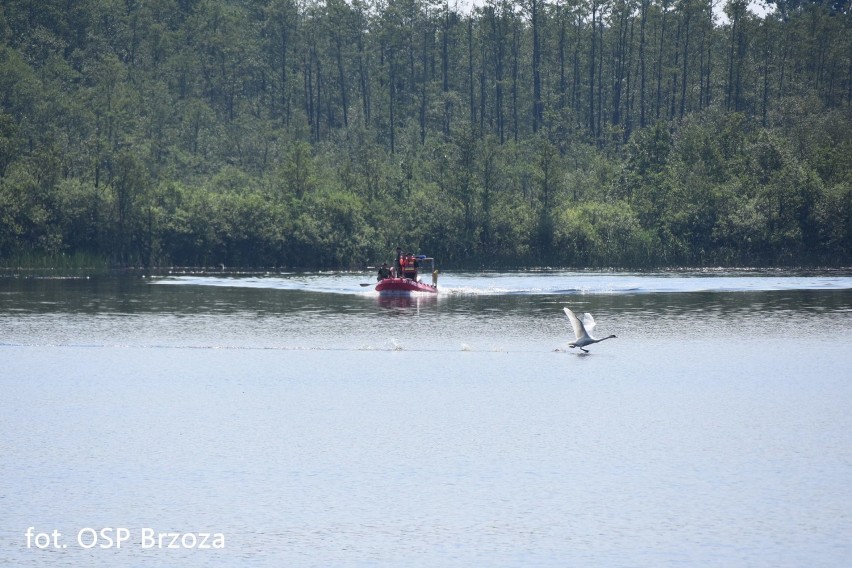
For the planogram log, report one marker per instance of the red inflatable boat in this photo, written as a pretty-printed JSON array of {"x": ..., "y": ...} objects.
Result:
[
  {"x": 407, "y": 282},
  {"x": 404, "y": 286}
]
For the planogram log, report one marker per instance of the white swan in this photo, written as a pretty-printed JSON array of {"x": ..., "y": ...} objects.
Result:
[{"x": 583, "y": 330}]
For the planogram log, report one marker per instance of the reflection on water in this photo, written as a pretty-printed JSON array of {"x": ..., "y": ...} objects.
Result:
[{"x": 406, "y": 302}]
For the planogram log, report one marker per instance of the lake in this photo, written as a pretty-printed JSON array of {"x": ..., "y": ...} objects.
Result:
[{"x": 303, "y": 420}]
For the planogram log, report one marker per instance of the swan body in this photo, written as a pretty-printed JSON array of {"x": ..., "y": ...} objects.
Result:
[{"x": 583, "y": 330}]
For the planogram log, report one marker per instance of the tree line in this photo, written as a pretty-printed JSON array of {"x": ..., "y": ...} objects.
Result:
[{"x": 629, "y": 133}]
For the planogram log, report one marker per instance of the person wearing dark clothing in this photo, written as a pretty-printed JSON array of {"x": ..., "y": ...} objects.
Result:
[
  {"x": 384, "y": 272},
  {"x": 398, "y": 262}
]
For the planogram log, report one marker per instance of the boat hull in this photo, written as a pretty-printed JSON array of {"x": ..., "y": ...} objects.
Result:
[{"x": 404, "y": 286}]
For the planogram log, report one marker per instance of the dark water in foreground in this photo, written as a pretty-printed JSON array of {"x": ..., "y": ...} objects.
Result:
[{"x": 313, "y": 423}]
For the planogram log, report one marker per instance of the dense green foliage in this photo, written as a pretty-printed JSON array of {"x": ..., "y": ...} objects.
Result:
[{"x": 629, "y": 133}]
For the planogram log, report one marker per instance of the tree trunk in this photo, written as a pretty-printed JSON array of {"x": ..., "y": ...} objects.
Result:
[
  {"x": 536, "y": 68},
  {"x": 592, "y": 69},
  {"x": 642, "y": 24},
  {"x": 659, "y": 104},
  {"x": 685, "y": 64}
]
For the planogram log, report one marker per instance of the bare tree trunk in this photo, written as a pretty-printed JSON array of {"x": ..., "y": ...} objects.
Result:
[
  {"x": 470, "y": 83},
  {"x": 392, "y": 102},
  {"x": 538, "y": 106},
  {"x": 685, "y": 63},
  {"x": 342, "y": 78},
  {"x": 592, "y": 69},
  {"x": 665, "y": 6},
  {"x": 643, "y": 22},
  {"x": 562, "y": 80},
  {"x": 516, "y": 48}
]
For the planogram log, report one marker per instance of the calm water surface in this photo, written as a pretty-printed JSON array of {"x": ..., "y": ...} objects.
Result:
[{"x": 314, "y": 423}]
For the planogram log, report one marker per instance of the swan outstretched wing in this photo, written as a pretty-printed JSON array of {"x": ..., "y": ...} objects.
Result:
[
  {"x": 579, "y": 330},
  {"x": 589, "y": 324}
]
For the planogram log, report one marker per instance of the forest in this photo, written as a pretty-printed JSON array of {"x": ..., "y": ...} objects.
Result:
[{"x": 322, "y": 134}]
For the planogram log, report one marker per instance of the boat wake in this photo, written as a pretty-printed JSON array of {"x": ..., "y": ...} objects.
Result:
[{"x": 533, "y": 283}]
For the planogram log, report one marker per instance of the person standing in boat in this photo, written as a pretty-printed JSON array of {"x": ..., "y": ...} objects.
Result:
[
  {"x": 409, "y": 267},
  {"x": 384, "y": 272},
  {"x": 398, "y": 263}
]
